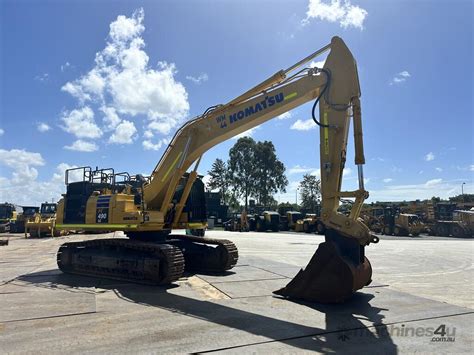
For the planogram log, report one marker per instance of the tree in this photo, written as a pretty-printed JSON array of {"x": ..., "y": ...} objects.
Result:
[
  {"x": 462, "y": 198},
  {"x": 310, "y": 189},
  {"x": 219, "y": 178},
  {"x": 287, "y": 206},
  {"x": 269, "y": 173},
  {"x": 241, "y": 167}
]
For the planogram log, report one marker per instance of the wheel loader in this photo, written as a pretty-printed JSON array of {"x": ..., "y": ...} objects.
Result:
[
  {"x": 312, "y": 223},
  {"x": 43, "y": 223},
  {"x": 148, "y": 209},
  {"x": 401, "y": 224},
  {"x": 266, "y": 221},
  {"x": 289, "y": 220},
  {"x": 373, "y": 218},
  {"x": 27, "y": 212}
]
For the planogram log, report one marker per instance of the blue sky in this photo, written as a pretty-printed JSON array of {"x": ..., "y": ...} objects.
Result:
[{"x": 107, "y": 83}]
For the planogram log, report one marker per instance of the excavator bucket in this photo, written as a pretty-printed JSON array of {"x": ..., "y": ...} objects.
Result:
[{"x": 337, "y": 269}]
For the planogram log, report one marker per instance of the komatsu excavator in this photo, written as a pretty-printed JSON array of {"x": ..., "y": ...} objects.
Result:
[{"x": 148, "y": 209}]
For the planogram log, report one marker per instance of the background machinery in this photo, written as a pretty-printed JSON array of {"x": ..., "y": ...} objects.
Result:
[
  {"x": 373, "y": 218},
  {"x": 147, "y": 209},
  {"x": 401, "y": 224},
  {"x": 265, "y": 221},
  {"x": 234, "y": 223},
  {"x": 311, "y": 223},
  {"x": 43, "y": 223},
  {"x": 289, "y": 220},
  {"x": 451, "y": 221},
  {"x": 8, "y": 215},
  {"x": 27, "y": 213}
]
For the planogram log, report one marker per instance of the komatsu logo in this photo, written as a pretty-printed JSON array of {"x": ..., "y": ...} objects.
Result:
[{"x": 269, "y": 101}]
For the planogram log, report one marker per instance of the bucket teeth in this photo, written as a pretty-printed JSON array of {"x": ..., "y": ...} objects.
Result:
[{"x": 330, "y": 277}]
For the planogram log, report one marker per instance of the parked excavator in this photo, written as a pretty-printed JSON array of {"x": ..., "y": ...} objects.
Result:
[{"x": 148, "y": 209}]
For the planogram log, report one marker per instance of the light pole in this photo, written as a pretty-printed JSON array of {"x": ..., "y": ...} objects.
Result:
[
  {"x": 297, "y": 189},
  {"x": 462, "y": 188}
]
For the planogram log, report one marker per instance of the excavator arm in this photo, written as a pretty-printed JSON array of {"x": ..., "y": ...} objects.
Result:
[
  {"x": 147, "y": 210},
  {"x": 339, "y": 266},
  {"x": 336, "y": 86}
]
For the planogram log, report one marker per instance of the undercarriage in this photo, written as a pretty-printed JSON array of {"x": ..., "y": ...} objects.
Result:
[{"x": 156, "y": 263}]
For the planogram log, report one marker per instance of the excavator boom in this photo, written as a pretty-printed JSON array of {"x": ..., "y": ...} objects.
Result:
[{"x": 339, "y": 266}]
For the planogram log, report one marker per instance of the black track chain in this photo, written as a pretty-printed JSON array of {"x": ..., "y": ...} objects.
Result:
[
  {"x": 170, "y": 257},
  {"x": 231, "y": 252}
]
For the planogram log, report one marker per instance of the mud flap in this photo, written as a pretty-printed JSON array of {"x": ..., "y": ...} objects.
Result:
[{"x": 337, "y": 269}]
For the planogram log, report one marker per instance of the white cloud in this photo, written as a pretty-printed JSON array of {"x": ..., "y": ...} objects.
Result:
[
  {"x": 59, "y": 175},
  {"x": 111, "y": 118},
  {"x": 76, "y": 91},
  {"x": 426, "y": 190},
  {"x": 124, "y": 133},
  {"x": 316, "y": 173},
  {"x": 430, "y": 156},
  {"x": 23, "y": 188},
  {"x": 81, "y": 123},
  {"x": 439, "y": 169},
  {"x": 22, "y": 164},
  {"x": 433, "y": 182},
  {"x": 65, "y": 66},
  {"x": 82, "y": 146},
  {"x": 149, "y": 145},
  {"x": 198, "y": 80},
  {"x": 297, "y": 169},
  {"x": 345, "y": 13},
  {"x": 148, "y": 134},
  {"x": 465, "y": 168},
  {"x": 123, "y": 83},
  {"x": 43, "y": 127},
  {"x": 285, "y": 115},
  {"x": 318, "y": 64},
  {"x": 400, "y": 77},
  {"x": 206, "y": 179},
  {"x": 19, "y": 158},
  {"x": 1, "y": 132},
  {"x": 43, "y": 77},
  {"x": 305, "y": 125},
  {"x": 160, "y": 126},
  {"x": 347, "y": 172},
  {"x": 248, "y": 133},
  {"x": 387, "y": 180}
]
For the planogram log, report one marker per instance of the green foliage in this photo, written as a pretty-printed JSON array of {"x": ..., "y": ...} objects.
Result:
[
  {"x": 219, "y": 179},
  {"x": 253, "y": 170},
  {"x": 287, "y": 206},
  {"x": 268, "y": 173},
  {"x": 310, "y": 190},
  {"x": 462, "y": 198},
  {"x": 241, "y": 167}
]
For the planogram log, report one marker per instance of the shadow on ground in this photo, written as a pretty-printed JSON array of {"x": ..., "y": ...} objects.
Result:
[{"x": 344, "y": 328}]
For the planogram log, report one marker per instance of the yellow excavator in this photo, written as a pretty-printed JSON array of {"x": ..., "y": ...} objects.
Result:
[{"x": 148, "y": 209}]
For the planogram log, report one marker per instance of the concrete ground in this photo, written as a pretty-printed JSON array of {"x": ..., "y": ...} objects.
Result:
[{"x": 420, "y": 285}]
